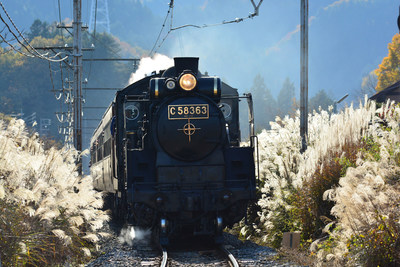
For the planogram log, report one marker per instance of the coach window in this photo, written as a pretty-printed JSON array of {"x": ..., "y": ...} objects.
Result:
[
  {"x": 100, "y": 148},
  {"x": 93, "y": 154},
  {"x": 107, "y": 147}
]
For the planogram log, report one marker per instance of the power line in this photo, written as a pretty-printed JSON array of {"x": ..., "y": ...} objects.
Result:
[
  {"x": 14, "y": 48},
  {"x": 59, "y": 19},
  {"x": 171, "y": 11},
  {"x": 94, "y": 36},
  {"x": 171, "y": 4},
  {"x": 30, "y": 49}
]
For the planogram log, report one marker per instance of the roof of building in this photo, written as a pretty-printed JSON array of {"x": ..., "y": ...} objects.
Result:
[{"x": 392, "y": 92}]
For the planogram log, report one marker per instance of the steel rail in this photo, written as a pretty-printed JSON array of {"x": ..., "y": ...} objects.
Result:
[
  {"x": 229, "y": 255},
  {"x": 164, "y": 258}
]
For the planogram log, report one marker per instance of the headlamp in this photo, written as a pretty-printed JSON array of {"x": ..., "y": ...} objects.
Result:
[
  {"x": 187, "y": 82},
  {"x": 170, "y": 84}
]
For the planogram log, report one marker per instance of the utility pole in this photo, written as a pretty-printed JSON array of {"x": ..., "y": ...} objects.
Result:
[
  {"x": 77, "y": 67},
  {"x": 304, "y": 74}
]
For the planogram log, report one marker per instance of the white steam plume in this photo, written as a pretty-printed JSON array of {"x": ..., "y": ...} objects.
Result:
[
  {"x": 148, "y": 65},
  {"x": 129, "y": 234}
]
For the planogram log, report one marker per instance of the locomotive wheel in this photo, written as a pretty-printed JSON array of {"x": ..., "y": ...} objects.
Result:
[
  {"x": 115, "y": 204},
  {"x": 107, "y": 204}
]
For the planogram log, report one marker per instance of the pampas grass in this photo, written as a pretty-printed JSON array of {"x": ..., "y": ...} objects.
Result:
[
  {"x": 43, "y": 189},
  {"x": 352, "y": 162}
]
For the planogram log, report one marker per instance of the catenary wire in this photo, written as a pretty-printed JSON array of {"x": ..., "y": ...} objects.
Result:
[
  {"x": 171, "y": 5},
  {"x": 21, "y": 35},
  {"x": 59, "y": 19},
  {"x": 170, "y": 10}
]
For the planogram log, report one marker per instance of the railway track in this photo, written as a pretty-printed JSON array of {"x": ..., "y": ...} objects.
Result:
[
  {"x": 219, "y": 256},
  {"x": 164, "y": 259},
  {"x": 187, "y": 254},
  {"x": 233, "y": 262}
]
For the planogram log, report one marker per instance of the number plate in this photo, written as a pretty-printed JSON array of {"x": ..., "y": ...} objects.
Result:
[{"x": 191, "y": 111}]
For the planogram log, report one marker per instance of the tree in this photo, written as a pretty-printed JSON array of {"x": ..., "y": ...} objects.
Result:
[
  {"x": 368, "y": 86},
  {"x": 388, "y": 71},
  {"x": 42, "y": 29},
  {"x": 286, "y": 99},
  {"x": 264, "y": 103},
  {"x": 26, "y": 82},
  {"x": 369, "y": 83},
  {"x": 321, "y": 99}
]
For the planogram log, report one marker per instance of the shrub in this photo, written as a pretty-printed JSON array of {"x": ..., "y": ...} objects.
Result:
[
  {"x": 313, "y": 211},
  {"x": 293, "y": 183},
  {"x": 50, "y": 215},
  {"x": 343, "y": 192}
]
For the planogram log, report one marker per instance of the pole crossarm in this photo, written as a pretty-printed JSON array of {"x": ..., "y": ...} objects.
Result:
[
  {"x": 61, "y": 48},
  {"x": 112, "y": 59},
  {"x": 70, "y": 27},
  {"x": 102, "y": 89}
]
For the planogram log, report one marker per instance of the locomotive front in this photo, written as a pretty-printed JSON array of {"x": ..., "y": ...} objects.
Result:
[
  {"x": 189, "y": 174},
  {"x": 188, "y": 124}
]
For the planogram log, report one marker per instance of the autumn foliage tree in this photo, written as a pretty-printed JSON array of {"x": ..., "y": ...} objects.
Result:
[{"x": 388, "y": 71}]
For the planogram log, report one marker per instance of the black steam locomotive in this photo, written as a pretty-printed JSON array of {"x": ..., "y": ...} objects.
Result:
[{"x": 167, "y": 151}]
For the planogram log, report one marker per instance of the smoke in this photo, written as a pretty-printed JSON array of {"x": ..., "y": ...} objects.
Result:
[
  {"x": 130, "y": 234},
  {"x": 148, "y": 65}
]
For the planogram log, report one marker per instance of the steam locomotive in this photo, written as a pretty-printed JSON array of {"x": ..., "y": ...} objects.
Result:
[{"x": 167, "y": 152}]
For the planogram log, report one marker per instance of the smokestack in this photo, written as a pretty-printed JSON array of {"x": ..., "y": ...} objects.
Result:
[{"x": 186, "y": 63}]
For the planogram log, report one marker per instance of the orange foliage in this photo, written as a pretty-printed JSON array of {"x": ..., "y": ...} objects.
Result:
[{"x": 388, "y": 71}]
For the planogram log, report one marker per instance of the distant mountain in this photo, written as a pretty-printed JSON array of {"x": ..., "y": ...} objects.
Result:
[
  {"x": 130, "y": 20},
  {"x": 347, "y": 38}
]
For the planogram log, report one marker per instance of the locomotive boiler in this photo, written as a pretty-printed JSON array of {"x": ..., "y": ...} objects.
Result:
[{"x": 168, "y": 154}]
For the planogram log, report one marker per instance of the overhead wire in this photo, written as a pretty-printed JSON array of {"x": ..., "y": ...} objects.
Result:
[
  {"x": 171, "y": 29},
  {"x": 94, "y": 43},
  {"x": 59, "y": 19},
  {"x": 171, "y": 5},
  {"x": 16, "y": 38},
  {"x": 4, "y": 52},
  {"x": 95, "y": 18},
  {"x": 36, "y": 53},
  {"x": 64, "y": 93},
  {"x": 14, "y": 48},
  {"x": 52, "y": 83},
  {"x": 60, "y": 115}
]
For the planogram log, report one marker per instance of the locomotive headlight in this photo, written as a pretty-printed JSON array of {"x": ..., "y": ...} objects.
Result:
[
  {"x": 187, "y": 82},
  {"x": 170, "y": 84}
]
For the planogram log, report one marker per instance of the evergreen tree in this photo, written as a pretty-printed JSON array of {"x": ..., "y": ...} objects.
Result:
[
  {"x": 321, "y": 99},
  {"x": 264, "y": 103},
  {"x": 286, "y": 99},
  {"x": 42, "y": 29}
]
